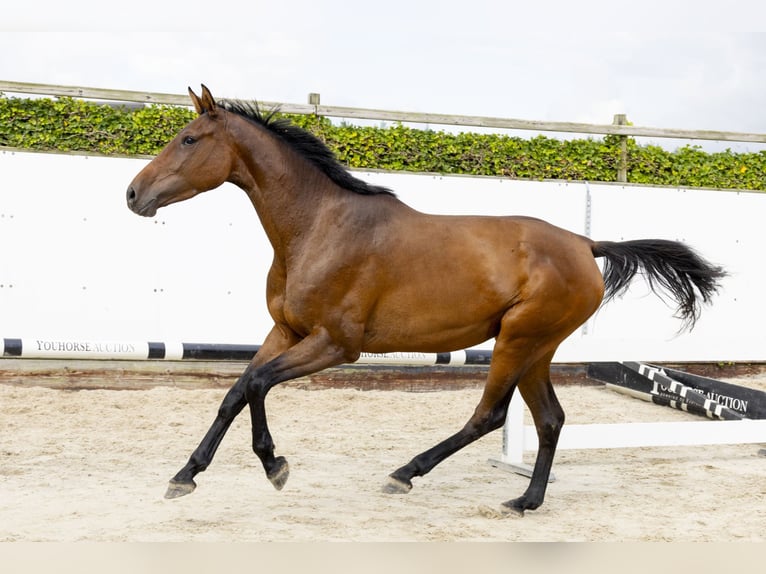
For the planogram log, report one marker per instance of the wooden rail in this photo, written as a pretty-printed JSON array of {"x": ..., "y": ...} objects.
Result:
[{"x": 407, "y": 117}]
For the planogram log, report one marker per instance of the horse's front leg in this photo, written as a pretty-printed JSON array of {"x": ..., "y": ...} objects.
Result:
[
  {"x": 312, "y": 354},
  {"x": 233, "y": 403},
  {"x": 235, "y": 400}
]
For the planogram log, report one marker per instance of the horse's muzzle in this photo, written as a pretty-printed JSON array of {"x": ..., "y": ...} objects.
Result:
[
  {"x": 131, "y": 197},
  {"x": 147, "y": 209}
]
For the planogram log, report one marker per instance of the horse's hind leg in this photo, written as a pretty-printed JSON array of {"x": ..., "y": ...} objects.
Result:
[
  {"x": 538, "y": 393},
  {"x": 536, "y": 389},
  {"x": 400, "y": 481},
  {"x": 508, "y": 364}
]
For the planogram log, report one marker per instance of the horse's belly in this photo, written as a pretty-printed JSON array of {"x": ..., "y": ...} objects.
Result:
[{"x": 424, "y": 331}]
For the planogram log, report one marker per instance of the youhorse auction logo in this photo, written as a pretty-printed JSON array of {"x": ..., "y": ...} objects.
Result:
[{"x": 52, "y": 346}]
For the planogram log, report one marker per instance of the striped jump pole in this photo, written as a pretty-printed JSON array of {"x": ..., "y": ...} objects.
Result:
[
  {"x": 686, "y": 395},
  {"x": 693, "y": 393},
  {"x": 65, "y": 349}
]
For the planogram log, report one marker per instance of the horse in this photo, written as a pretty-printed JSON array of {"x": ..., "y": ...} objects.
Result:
[{"x": 357, "y": 270}]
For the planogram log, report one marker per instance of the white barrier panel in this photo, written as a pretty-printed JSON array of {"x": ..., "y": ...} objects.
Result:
[
  {"x": 519, "y": 438},
  {"x": 77, "y": 264}
]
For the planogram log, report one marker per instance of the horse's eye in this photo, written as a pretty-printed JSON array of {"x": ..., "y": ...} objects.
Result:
[{"x": 188, "y": 140}]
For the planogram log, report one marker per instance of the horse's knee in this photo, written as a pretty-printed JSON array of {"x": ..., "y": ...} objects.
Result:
[
  {"x": 256, "y": 390},
  {"x": 230, "y": 408}
]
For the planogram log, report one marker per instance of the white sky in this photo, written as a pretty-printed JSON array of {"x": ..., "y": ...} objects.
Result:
[{"x": 674, "y": 64}]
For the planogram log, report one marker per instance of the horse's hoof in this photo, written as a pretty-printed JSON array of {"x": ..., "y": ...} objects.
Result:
[
  {"x": 504, "y": 511},
  {"x": 511, "y": 509},
  {"x": 179, "y": 489},
  {"x": 279, "y": 473},
  {"x": 396, "y": 486}
]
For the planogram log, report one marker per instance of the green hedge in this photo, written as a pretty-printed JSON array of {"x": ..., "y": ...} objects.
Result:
[{"x": 76, "y": 125}]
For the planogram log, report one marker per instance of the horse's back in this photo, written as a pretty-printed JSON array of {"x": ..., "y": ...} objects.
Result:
[{"x": 513, "y": 242}]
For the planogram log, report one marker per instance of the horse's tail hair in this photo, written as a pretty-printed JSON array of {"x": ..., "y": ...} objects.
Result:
[{"x": 670, "y": 265}]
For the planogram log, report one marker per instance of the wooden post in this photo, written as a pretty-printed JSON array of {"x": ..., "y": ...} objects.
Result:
[
  {"x": 622, "y": 163},
  {"x": 314, "y": 100}
]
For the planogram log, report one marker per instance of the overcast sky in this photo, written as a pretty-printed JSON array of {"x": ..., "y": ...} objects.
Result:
[{"x": 674, "y": 64}]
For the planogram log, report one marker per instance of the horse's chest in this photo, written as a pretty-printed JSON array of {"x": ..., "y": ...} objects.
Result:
[
  {"x": 319, "y": 291},
  {"x": 305, "y": 304}
]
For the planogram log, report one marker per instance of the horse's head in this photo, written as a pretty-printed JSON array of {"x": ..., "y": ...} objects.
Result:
[{"x": 195, "y": 161}]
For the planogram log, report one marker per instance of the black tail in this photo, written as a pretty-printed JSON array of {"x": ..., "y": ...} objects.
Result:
[{"x": 672, "y": 265}]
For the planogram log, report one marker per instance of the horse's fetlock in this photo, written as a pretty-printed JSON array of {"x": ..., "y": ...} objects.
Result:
[{"x": 263, "y": 448}]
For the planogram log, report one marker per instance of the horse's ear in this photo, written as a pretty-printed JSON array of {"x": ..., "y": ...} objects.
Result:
[
  {"x": 208, "y": 103},
  {"x": 196, "y": 101},
  {"x": 204, "y": 104}
]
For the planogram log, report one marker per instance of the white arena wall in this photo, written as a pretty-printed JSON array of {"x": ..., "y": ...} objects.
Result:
[{"x": 77, "y": 264}]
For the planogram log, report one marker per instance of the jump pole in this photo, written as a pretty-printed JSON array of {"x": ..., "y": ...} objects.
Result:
[
  {"x": 69, "y": 348},
  {"x": 693, "y": 393},
  {"x": 711, "y": 408}
]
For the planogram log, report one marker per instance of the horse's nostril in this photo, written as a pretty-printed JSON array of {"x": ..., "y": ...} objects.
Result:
[{"x": 131, "y": 196}]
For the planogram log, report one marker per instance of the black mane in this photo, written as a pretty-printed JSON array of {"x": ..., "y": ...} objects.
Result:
[{"x": 305, "y": 143}]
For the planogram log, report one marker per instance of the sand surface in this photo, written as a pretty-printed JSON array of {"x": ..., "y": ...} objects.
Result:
[{"x": 93, "y": 465}]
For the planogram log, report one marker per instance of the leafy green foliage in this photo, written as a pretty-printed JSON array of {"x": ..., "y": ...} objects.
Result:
[{"x": 68, "y": 124}]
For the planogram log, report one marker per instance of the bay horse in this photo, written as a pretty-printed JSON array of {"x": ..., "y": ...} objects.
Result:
[{"x": 356, "y": 270}]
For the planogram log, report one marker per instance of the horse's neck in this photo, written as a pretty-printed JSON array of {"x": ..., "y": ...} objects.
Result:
[{"x": 285, "y": 190}]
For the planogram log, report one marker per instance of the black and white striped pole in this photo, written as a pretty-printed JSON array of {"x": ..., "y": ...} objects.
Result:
[{"x": 34, "y": 348}]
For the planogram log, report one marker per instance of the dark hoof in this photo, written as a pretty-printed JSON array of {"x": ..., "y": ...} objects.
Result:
[
  {"x": 504, "y": 511},
  {"x": 279, "y": 473},
  {"x": 518, "y": 506},
  {"x": 179, "y": 489},
  {"x": 396, "y": 486},
  {"x": 512, "y": 508}
]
